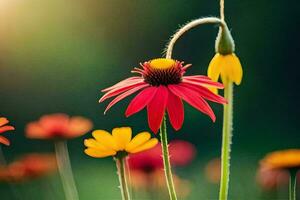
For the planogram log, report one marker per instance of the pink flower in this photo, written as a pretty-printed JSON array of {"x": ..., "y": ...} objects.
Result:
[
  {"x": 164, "y": 86},
  {"x": 270, "y": 179},
  {"x": 146, "y": 168},
  {"x": 58, "y": 126},
  {"x": 3, "y": 129},
  {"x": 181, "y": 154}
]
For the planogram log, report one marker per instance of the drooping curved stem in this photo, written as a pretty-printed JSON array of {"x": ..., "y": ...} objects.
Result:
[
  {"x": 226, "y": 141},
  {"x": 188, "y": 26},
  {"x": 166, "y": 160},
  {"x": 293, "y": 185},
  {"x": 65, "y": 170},
  {"x": 121, "y": 166}
]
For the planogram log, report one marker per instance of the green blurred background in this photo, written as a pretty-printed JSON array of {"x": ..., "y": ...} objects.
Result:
[{"x": 56, "y": 55}]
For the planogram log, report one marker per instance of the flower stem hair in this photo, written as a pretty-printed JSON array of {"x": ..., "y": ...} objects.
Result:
[
  {"x": 166, "y": 160},
  {"x": 226, "y": 142}
]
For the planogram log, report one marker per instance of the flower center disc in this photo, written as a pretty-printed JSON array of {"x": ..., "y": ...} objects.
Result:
[
  {"x": 162, "y": 71},
  {"x": 162, "y": 63}
]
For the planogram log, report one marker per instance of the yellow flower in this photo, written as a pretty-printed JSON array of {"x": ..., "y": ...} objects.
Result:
[
  {"x": 227, "y": 66},
  {"x": 120, "y": 141},
  {"x": 285, "y": 159}
]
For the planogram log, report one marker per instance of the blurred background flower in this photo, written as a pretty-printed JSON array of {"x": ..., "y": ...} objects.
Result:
[
  {"x": 58, "y": 126},
  {"x": 213, "y": 170},
  {"x": 146, "y": 169},
  {"x": 278, "y": 162},
  {"x": 288, "y": 159},
  {"x": 28, "y": 167},
  {"x": 271, "y": 179}
]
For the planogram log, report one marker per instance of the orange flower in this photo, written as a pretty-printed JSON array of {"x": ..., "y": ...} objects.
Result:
[
  {"x": 58, "y": 126},
  {"x": 4, "y": 128},
  {"x": 28, "y": 167},
  {"x": 213, "y": 170},
  {"x": 284, "y": 159}
]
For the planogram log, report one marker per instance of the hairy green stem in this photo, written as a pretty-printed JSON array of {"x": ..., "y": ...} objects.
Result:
[
  {"x": 65, "y": 170},
  {"x": 293, "y": 185},
  {"x": 226, "y": 141},
  {"x": 188, "y": 26},
  {"x": 166, "y": 159},
  {"x": 222, "y": 13},
  {"x": 121, "y": 166}
]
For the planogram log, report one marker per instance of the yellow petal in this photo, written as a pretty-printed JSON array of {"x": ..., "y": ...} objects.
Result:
[
  {"x": 214, "y": 68},
  {"x": 99, "y": 154},
  {"x": 237, "y": 70},
  {"x": 92, "y": 143},
  {"x": 213, "y": 89},
  {"x": 147, "y": 145},
  {"x": 231, "y": 69},
  {"x": 122, "y": 136},
  {"x": 105, "y": 138},
  {"x": 138, "y": 140}
]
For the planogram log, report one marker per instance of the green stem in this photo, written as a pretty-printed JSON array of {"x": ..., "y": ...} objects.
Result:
[
  {"x": 222, "y": 13},
  {"x": 65, "y": 170},
  {"x": 226, "y": 141},
  {"x": 293, "y": 185},
  {"x": 187, "y": 27},
  {"x": 121, "y": 166},
  {"x": 166, "y": 159}
]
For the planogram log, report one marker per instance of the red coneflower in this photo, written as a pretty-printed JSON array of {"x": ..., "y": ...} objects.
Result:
[
  {"x": 163, "y": 88},
  {"x": 4, "y": 128}
]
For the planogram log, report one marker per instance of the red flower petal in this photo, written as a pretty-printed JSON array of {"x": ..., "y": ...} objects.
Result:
[
  {"x": 4, "y": 140},
  {"x": 3, "y": 121},
  {"x": 175, "y": 111},
  {"x": 156, "y": 108},
  {"x": 193, "y": 98},
  {"x": 206, "y": 93},
  {"x": 124, "y": 95},
  {"x": 140, "y": 101},
  {"x": 202, "y": 81},
  {"x": 197, "y": 77},
  {"x": 127, "y": 81},
  {"x": 120, "y": 90},
  {"x": 6, "y": 128}
]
